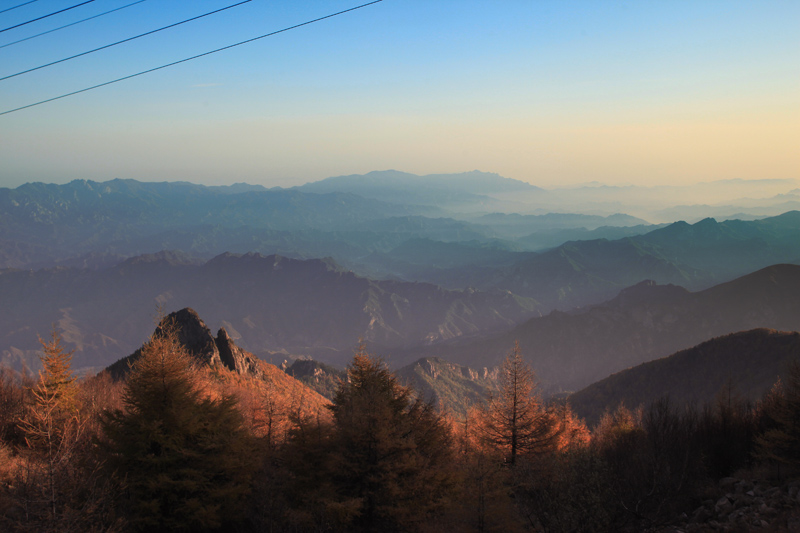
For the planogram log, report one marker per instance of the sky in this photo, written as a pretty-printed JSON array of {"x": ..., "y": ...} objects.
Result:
[{"x": 555, "y": 93}]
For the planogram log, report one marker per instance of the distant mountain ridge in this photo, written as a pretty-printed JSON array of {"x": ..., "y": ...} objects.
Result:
[
  {"x": 44, "y": 221},
  {"x": 272, "y": 303},
  {"x": 450, "y": 387},
  {"x": 583, "y": 273},
  {"x": 467, "y": 190}
]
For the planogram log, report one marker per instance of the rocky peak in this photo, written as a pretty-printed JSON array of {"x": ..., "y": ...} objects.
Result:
[
  {"x": 196, "y": 337},
  {"x": 192, "y": 333}
]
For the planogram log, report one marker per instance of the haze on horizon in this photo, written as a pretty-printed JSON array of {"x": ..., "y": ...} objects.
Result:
[{"x": 545, "y": 92}]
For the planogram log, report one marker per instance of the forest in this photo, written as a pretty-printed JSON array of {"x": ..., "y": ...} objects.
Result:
[{"x": 178, "y": 446}]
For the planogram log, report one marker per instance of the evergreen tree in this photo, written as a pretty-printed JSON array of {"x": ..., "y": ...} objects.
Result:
[
  {"x": 515, "y": 420},
  {"x": 392, "y": 452},
  {"x": 186, "y": 459}
]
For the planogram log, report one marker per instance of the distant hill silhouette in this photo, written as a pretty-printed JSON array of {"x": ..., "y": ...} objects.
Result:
[
  {"x": 750, "y": 361},
  {"x": 466, "y": 190}
]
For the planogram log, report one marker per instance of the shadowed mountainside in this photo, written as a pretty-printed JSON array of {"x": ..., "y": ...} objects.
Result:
[{"x": 750, "y": 361}]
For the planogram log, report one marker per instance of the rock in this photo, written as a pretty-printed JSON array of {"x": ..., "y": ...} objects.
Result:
[
  {"x": 767, "y": 510},
  {"x": 723, "y": 506},
  {"x": 234, "y": 358},
  {"x": 742, "y": 501},
  {"x": 700, "y": 515},
  {"x": 728, "y": 483}
]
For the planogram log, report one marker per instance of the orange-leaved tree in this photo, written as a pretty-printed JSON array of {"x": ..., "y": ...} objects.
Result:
[{"x": 515, "y": 420}]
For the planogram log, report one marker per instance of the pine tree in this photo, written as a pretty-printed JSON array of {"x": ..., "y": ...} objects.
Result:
[
  {"x": 392, "y": 451},
  {"x": 515, "y": 420},
  {"x": 186, "y": 459}
]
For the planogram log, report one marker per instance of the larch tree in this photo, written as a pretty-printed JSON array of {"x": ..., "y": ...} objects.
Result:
[
  {"x": 515, "y": 420},
  {"x": 51, "y": 424}
]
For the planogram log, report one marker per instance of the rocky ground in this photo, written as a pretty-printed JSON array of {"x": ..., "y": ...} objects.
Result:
[{"x": 738, "y": 505}]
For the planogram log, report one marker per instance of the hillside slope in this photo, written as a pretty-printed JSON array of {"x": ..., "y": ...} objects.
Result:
[{"x": 750, "y": 361}]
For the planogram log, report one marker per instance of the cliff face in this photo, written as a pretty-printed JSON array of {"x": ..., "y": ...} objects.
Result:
[{"x": 196, "y": 337}]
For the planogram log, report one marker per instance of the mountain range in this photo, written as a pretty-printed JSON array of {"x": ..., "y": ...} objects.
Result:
[
  {"x": 440, "y": 274},
  {"x": 272, "y": 303}
]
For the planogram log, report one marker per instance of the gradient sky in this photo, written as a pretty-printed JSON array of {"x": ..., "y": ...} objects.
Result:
[{"x": 551, "y": 92}]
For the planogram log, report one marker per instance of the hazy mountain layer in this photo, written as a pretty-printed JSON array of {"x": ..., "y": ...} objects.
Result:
[
  {"x": 40, "y": 222},
  {"x": 587, "y": 272},
  {"x": 749, "y": 361},
  {"x": 645, "y": 322},
  {"x": 269, "y": 303},
  {"x": 468, "y": 191}
]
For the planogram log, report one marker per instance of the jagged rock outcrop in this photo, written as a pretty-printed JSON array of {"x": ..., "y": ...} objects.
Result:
[
  {"x": 196, "y": 337},
  {"x": 320, "y": 377},
  {"x": 450, "y": 386}
]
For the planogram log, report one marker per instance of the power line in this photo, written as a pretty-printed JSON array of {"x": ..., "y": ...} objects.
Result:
[
  {"x": 71, "y": 24},
  {"x": 122, "y": 41},
  {"x": 20, "y": 5},
  {"x": 191, "y": 58},
  {"x": 48, "y": 15}
]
